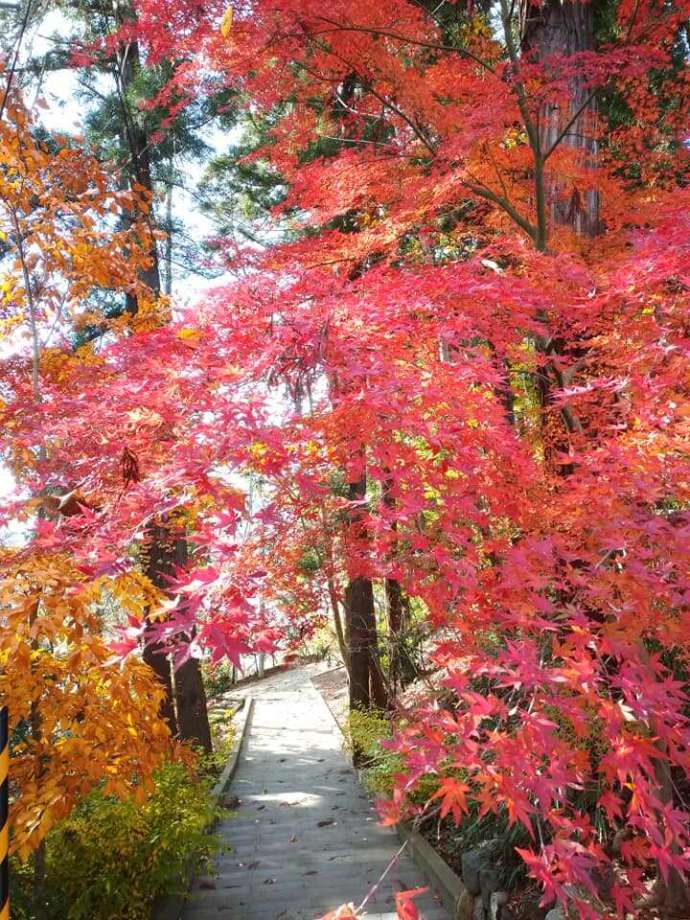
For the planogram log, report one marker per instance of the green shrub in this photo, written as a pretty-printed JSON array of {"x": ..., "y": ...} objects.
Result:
[
  {"x": 223, "y": 736},
  {"x": 110, "y": 859},
  {"x": 367, "y": 729},
  {"x": 218, "y": 678}
]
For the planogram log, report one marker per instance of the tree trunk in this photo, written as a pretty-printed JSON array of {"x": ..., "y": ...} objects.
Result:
[
  {"x": 155, "y": 655},
  {"x": 190, "y": 695},
  {"x": 169, "y": 233},
  {"x": 185, "y": 705},
  {"x": 157, "y": 659},
  {"x": 563, "y": 28},
  {"x": 366, "y": 683},
  {"x": 338, "y": 624},
  {"x": 332, "y": 592},
  {"x": 192, "y": 712},
  {"x": 395, "y": 606},
  {"x": 184, "y": 708},
  {"x": 137, "y": 141},
  {"x": 359, "y": 607}
]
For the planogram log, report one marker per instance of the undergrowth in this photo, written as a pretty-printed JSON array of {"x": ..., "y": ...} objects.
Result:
[{"x": 111, "y": 859}]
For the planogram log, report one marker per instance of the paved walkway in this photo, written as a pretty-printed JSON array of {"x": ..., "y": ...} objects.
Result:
[{"x": 305, "y": 838}]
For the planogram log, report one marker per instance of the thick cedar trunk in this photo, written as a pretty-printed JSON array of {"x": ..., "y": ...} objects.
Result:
[
  {"x": 158, "y": 565},
  {"x": 156, "y": 658},
  {"x": 366, "y": 684},
  {"x": 190, "y": 696},
  {"x": 559, "y": 29},
  {"x": 563, "y": 29},
  {"x": 136, "y": 141},
  {"x": 359, "y": 605}
]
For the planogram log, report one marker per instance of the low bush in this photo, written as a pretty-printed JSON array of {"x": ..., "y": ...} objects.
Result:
[
  {"x": 219, "y": 678},
  {"x": 224, "y": 737},
  {"x": 111, "y": 859},
  {"x": 366, "y": 730}
]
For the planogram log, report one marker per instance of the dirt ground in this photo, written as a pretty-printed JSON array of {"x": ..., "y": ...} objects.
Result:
[{"x": 332, "y": 685}]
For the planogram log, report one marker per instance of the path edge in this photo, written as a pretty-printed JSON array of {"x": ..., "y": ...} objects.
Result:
[
  {"x": 446, "y": 883},
  {"x": 170, "y": 907},
  {"x": 230, "y": 768}
]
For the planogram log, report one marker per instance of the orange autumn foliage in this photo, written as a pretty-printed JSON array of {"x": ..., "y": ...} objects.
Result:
[{"x": 83, "y": 716}]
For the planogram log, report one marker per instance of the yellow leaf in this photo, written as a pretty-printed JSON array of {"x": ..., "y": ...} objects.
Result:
[
  {"x": 190, "y": 336},
  {"x": 226, "y": 23}
]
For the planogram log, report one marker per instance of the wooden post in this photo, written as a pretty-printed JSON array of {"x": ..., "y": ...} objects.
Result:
[{"x": 4, "y": 814}]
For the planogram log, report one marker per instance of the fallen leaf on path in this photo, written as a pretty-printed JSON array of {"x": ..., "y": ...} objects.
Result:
[
  {"x": 403, "y": 903},
  {"x": 345, "y": 912}
]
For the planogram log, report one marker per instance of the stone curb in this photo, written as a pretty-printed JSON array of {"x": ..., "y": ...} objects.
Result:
[
  {"x": 456, "y": 898},
  {"x": 447, "y": 884},
  {"x": 171, "y": 906}
]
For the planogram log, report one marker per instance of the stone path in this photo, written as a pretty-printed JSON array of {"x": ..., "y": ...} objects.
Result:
[{"x": 304, "y": 839}]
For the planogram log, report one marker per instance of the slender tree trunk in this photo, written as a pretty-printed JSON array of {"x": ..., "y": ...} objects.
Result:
[
  {"x": 366, "y": 683},
  {"x": 169, "y": 234},
  {"x": 395, "y": 605},
  {"x": 185, "y": 705},
  {"x": 338, "y": 624},
  {"x": 36, "y": 725},
  {"x": 184, "y": 708},
  {"x": 332, "y": 592}
]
